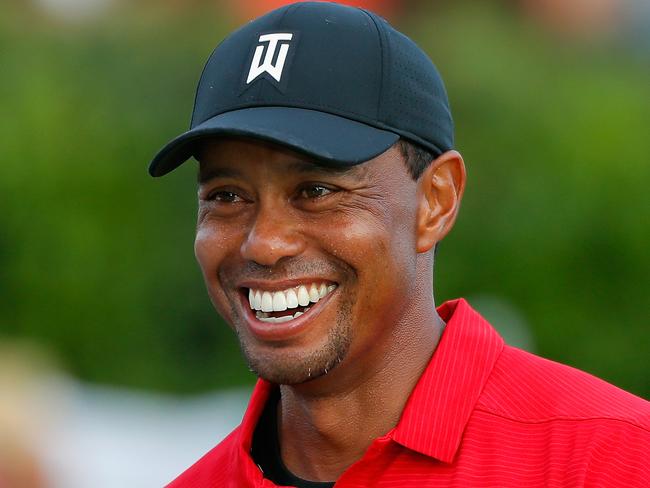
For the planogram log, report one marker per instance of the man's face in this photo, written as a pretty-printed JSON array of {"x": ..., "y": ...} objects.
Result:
[{"x": 312, "y": 267}]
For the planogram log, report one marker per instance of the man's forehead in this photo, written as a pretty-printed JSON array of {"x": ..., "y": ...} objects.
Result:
[
  {"x": 234, "y": 169},
  {"x": 225, "y": 159}
]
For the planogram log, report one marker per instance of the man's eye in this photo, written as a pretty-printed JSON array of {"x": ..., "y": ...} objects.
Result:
[
  {"x": 314, "y": 191},
  {"x": 224, "y": 196}
]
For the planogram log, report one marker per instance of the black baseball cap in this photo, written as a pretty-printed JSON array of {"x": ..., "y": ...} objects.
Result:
[{"x": 337, "y": 83}]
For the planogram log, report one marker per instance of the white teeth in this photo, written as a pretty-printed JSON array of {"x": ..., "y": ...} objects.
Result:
[
  {"x": 303, "y": 296},
  {"x": 292, "y": 299},
  {"x": 279, "y": 302},
  {"x": 275, "y": 320},
  {"x": 322, "y": 291},
  {"x": 313, "y": 293},
  {"x": 279, "y": 320},
  {"x": 264, "y": 317},
  {"x": 267, "y": 302}
]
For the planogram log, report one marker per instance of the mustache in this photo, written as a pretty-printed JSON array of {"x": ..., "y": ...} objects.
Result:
[{"x": 284, "y": 269}]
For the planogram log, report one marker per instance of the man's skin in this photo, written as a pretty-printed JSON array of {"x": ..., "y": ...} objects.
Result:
[{"x": 271, "y": 219}]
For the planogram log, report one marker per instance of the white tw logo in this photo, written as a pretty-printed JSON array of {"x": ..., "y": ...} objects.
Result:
[{"x": 275, "y": 70}]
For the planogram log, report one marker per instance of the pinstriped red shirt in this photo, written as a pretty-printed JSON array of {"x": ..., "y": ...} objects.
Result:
[{"x": 482, "y": 414}]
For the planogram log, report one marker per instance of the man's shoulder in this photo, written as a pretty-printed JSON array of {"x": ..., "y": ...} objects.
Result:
[
  {"x": 213, "y": 469},
  {"x": 524, "y": 387},
  {"x": 539, "y": 412}
]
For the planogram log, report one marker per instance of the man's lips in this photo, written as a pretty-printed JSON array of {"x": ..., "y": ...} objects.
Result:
[{"x": 279, "y": 311}]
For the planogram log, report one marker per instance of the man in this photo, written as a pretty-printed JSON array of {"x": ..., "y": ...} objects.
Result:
[{"x": 327, "y": 177}]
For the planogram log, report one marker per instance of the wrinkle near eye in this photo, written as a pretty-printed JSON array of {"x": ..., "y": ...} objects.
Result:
[{"x": 363, "y": 199}]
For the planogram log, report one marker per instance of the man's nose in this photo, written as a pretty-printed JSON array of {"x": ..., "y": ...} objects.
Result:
[{"x": 273, "y": 235}]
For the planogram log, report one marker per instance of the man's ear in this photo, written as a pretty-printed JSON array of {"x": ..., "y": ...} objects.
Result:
[{"x": 439, "y": 192}]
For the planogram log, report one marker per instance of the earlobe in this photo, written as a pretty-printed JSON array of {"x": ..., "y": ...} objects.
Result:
[{"x": 440, "y": 190}]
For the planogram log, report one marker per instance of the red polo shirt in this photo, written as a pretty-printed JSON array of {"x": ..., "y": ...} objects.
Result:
[{"x": 482, "y": 414}]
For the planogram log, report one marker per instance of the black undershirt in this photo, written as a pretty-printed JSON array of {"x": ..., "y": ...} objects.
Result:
[{"x": 266, "y": 449}]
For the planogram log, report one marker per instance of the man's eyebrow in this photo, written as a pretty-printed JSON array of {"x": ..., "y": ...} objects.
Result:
[{"x": 204, "y": 176}]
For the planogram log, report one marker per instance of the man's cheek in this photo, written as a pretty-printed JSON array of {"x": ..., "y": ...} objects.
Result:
[
  {"x": 209, "y": 247},
  {"x": 222, "y": 303},
  {"x": 202, "y": 258},
  {"x": 208, "y": 258},
  {"x": 354, "y": 237}
]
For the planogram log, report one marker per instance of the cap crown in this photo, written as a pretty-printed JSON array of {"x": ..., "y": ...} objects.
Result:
[{"x": 330, "y": 58}]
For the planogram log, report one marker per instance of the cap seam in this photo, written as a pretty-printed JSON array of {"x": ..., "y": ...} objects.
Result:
[
  {"x": 290, "y": 7},
  {"x": 205, "y": 67},
  {"x": 381, "y": 60}
]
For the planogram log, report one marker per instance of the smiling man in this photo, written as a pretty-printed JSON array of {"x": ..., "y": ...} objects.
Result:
[{"x": 327, "y": 176}]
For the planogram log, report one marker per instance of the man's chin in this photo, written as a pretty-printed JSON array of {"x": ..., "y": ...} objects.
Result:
[
  {"x": 284, "y": 370},
  {"x": 292, "y": 368}
]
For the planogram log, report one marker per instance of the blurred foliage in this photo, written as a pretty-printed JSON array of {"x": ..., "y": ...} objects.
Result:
[{"x": 96, "y": 258}]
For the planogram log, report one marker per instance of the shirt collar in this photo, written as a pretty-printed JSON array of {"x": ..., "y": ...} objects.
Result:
[
  {"x": 439, "y": 407},
  {"x": 245, "y": 471},
  {"x": 256, "y": 405}
]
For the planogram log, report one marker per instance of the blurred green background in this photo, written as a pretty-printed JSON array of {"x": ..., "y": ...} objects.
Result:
[{"x": 96, "y": 259}]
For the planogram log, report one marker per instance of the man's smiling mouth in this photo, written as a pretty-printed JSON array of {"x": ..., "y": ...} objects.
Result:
[{"x": 285, "y": 305}]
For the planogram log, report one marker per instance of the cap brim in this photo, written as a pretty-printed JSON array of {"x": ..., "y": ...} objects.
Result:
[{"x": 329, "y": 138}]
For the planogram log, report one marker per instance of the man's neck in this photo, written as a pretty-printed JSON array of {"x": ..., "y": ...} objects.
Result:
[{"x": 327, "y": 424}]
